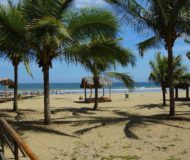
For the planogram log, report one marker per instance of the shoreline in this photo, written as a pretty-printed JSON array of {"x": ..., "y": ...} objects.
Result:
[{"x": 80, "y": 91}]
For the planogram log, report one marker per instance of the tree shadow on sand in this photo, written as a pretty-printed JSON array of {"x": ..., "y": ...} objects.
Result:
[
  {"x": 150, "y": 106},
  {"x": 37, "y": 126},
  {"x": 75, "y": 111},
  {"x": 130, "y": 121},
  {"x": 91, "y": 122},
  {"x": 184, "y": 104}
]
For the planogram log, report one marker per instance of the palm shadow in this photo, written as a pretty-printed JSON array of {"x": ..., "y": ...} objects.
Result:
[
  {"x": 94, "y": 122},
  {"x": 130, "y": 121},
  {"x": 7, "y": 110},
  {"x": 150, "y": 106},
  {"x": 37, "y": 126},
  {"x": 74, "y": 111},
  {"x": 185, "y": 104},
  {"x": 180, "y": 113}
]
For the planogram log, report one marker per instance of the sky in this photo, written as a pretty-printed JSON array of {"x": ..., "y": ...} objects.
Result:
[{"x": 70, "y": 73}]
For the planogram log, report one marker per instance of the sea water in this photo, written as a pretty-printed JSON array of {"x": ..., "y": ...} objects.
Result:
[{"x": 117, "y": 87}]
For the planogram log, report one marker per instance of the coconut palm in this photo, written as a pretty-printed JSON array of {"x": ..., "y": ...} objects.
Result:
[
  {"x": 165, "y": 19},
  {"x": 101, "y": 54},
  {"x": 53, "y": 26},
  {"x": 13, "y": 44},
  {"x": 159, "y": 73}
]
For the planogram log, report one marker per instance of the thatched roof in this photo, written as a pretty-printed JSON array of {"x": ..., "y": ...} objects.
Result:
[
  {"x": 88, "y": 82},
  {"x": 182, "y": 85},
  {"x": 7, "y": 82}
]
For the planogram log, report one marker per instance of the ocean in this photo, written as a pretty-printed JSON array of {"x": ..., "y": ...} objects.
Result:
[{"x": 75, "y": 87}]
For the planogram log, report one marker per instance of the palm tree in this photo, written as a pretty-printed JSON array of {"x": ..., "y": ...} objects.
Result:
[
  {"x": 100, "y": 55},
  {"x": 165, "y": 19},
  {"x": 13, "y": 44},
  {"x": 54, "y": 26},
  {"x": 159, "y": 73}
]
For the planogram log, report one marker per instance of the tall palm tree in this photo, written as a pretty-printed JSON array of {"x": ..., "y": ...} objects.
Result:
[
  {"x": 102, "y": 54},
  {"x": 165, "y": 19},
  {"x": 159, "y": 73},
  {"x": 13, "y": 44},
  {"x": 54, "y": 26}
]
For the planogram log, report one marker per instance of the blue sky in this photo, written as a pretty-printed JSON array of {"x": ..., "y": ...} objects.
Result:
[{"x": 62, "y": 72}]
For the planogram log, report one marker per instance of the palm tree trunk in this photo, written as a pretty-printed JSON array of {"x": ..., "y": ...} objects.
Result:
[
  {"x": 164, "y": 96},
  {"x": 15, "y": 103},
  {"x": 171, "y": 85},
  {"x": 47, "y": 113},
  {"x": 96, "y": 81}
]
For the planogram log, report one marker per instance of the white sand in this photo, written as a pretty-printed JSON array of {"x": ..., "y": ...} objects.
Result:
[{"x": 136, "y": 128}]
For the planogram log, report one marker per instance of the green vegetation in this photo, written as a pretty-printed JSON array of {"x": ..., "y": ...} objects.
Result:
[
  {"x": 101, "y": 54},
  {"x": 45, "y": 30},
  {"x": 167, "y": 20},
  {"x": 159, "y": 73},
  {"x": 13, "y": 44}
]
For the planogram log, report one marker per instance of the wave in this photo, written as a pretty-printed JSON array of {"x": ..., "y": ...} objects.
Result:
[{"x": 121, "y": 90}]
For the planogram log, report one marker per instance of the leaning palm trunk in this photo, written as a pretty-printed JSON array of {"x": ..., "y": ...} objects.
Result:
[
  {"x": 15, "y": 103},
  {"x": 171, "y": 85},
  {"x": 47, "y": 113},
  {"x": 96, "y": 83}
]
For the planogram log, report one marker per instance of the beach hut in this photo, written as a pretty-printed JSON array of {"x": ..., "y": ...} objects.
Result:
[
  {"x": 185, "y": 84},
  {"x": 8, "y": 83},
  {"x": 88, "y": 83},
  {"x": 182, "y": 85}
]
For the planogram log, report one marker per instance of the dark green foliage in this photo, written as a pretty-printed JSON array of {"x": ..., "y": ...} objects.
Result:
[{"x": 163, "y": 20}]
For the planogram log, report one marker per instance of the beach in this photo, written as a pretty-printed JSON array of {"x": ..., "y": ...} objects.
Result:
[{"x": 125, "y": 129}]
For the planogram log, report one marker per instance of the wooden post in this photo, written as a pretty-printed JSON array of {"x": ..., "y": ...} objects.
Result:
[
  {"x": 91, "y": 92},
  {"x": 103, "y": 91},
  {"x": 2, "y": 144},
  {"x": 6, "y": 92},
  {"x": 2, "y": 139},
  {"x": 18, "y": 141},
  {"x": 110, "y": 92},
  {"x": 16, "y": 153},
  {"x": 176, "y": 92},
  {"x": 85, "y": 92},
  {"x": 187, "y": 92}
]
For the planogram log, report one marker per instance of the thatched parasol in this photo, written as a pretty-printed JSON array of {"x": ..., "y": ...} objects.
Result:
[
  {"x": 88, "y": 82},
  {"x": 7, "y": 82}
]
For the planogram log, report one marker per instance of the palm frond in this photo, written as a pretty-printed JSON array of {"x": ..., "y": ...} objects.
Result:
[
  {"x": 151, "y": 43},
  {"x": 27, "y": 66},
  {"x": 159, "y": 69},
  {"x": 188, "y": 55},
  {"x": 89, "y": 22},
  {"x": 125, "y": 78}
]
